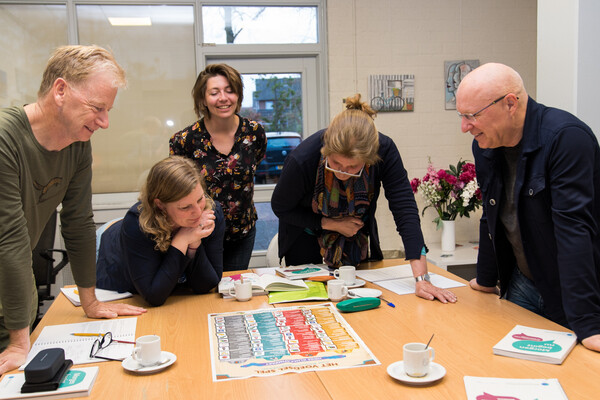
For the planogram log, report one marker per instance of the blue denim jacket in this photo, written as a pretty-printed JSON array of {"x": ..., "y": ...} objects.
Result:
[{"x": 557, "y": 193}]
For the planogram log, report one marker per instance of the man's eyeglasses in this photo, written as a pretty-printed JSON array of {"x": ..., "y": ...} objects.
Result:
[
  {"x": 328, "y": 168},
  {"x": 102, "y": 343},
  {"x": 472, "y": 117}
]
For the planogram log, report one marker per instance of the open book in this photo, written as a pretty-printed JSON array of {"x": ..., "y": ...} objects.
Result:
[
  {"x": 77, "y": 382},
  {"x": 103, "y": 295},
  {"x": 261, "y": 284},
  {"x": 77, "y": 348},
  {"x": 536, "y": 344}
]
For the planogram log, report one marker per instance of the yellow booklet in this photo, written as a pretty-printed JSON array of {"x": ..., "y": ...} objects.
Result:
[{"x": 316, "y": 291}]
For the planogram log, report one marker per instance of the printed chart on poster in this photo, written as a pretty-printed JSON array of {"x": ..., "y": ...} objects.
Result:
[{"x": 276, "y": 341}]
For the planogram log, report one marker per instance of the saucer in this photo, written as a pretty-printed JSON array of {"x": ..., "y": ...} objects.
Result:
[
  {"x": 131, "y": 365},
  {"x": 396, "y": 371},
  {"x": 357, "y": 283},
  {"x": 364, "y": 292}
]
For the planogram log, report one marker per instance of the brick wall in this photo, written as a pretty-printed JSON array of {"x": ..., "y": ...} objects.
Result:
[{"x": 368, "y": 37}]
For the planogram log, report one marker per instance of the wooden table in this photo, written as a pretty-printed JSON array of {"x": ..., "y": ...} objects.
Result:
[{"x": 464, "y": 335}]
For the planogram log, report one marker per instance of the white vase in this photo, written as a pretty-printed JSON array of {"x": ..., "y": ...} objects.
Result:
[{"x": 448, "y": 237}]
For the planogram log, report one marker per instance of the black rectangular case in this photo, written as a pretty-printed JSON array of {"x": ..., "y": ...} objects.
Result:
[{"x": 44, "y": 365}]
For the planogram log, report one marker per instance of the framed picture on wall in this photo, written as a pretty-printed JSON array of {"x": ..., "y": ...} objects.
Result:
[
  {"x": 454, "y": 72},
  {"x": 392, "y": 92}
]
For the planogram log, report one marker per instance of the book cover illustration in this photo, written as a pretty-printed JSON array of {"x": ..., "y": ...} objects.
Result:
[
  {"x": 536, "y": 344},
  {"x": 483, "y": 388}
]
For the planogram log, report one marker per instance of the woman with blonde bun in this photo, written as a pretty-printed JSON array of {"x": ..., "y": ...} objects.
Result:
[{"x": 327, "y": 194}]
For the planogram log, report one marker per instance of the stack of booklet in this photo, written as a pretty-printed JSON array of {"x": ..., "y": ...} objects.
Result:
[
  {"x": 303, "y": 271},
  {"x": 536, "y": 344},
  {"x": 77, "y": 382}
]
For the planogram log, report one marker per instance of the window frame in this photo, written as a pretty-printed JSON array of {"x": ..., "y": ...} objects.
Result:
[{"x": 107, "y": 206}]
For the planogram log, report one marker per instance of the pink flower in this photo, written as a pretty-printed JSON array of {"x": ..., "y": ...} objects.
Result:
[
  {"x": 414, "y": 184},
  {"x": 451, "y": 192}
]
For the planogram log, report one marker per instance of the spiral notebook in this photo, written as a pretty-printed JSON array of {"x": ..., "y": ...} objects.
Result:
[{"x": 77, "y": 348}]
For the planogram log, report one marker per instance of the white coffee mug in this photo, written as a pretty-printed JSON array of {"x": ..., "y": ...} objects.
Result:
[
  {"x": 347, "y": 273},
  {"x": 147, "y": 350},
  {"x": 417, "y": 359},
  {"x": 241, "y": 291},
  {"x": 336, "y": 289}
]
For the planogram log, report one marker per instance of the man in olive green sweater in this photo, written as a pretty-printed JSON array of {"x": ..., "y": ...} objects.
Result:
[{"x": 46, "y": 160}]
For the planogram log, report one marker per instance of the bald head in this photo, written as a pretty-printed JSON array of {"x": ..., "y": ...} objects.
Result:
[
  {"x": 492, "y": 102},
  {"x": 492, "y": 80}
]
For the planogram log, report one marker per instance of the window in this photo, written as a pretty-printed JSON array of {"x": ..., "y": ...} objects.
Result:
[
  {"x": 259, "y": 25},
  {"x": 284, "y": 71},
  {"x": 160, "y": 66},
  {"x": 25, "y": 45}
]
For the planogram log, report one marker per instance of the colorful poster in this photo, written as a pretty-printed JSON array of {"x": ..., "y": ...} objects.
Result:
[{"x": 276, "y": 341}]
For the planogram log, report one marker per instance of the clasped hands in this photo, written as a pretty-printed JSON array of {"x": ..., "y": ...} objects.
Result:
[
  {"x": 347, "y": 226},
  {"x": 194, "y": 235}
]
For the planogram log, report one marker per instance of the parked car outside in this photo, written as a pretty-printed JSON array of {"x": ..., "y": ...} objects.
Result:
[{"x": 279, "y": 145}]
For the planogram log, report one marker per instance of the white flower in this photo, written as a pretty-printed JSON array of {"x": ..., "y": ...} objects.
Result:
[
  {"x": 468, "y": 192},
  {"x": 429, "y": 192}
]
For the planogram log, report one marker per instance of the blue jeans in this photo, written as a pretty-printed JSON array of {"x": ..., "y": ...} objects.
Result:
[
  {"x": 236, "y": 254},
  {"x": 523, "y": 292}
]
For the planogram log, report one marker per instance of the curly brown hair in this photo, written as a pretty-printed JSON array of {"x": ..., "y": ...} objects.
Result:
[{"x": 169, "y": 180}]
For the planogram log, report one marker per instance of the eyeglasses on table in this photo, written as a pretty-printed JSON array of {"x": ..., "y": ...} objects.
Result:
[{"x": 103, "y": 342}]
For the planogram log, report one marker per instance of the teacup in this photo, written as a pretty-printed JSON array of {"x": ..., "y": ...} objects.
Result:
[
  {"x": 336, "y": 289},
  {"x": 242, "y": 291},
  {"x": 147, "y": 350},
  {"x": 347, "y": 273},
  {"x": 417, "y": 359}
]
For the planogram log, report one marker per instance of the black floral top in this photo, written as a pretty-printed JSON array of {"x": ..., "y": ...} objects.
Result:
[{"x": 229, "y": 178}]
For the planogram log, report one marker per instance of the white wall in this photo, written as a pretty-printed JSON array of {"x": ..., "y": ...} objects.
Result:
[
  {"x": 415, "y": 37},
  {"x": 588, "y": 67},
  {"x": 568, "y": 57},
  {"x": 557, "y": 53}
]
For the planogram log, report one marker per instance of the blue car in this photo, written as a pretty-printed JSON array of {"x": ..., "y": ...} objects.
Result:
[{"x": 279, "y": 145}]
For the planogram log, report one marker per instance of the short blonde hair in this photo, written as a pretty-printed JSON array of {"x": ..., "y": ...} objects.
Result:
[
  {"x": 352, "y": 133},
  {"x": 169, "y": 180},
  {"x": 199, "y": 90},
  {"x": 76, "y": 63}
]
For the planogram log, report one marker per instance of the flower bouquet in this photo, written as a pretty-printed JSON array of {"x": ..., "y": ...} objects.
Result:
[{"x": 451, "y": 192}]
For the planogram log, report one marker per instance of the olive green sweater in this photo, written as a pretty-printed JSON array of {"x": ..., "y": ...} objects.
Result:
[{"x": 33, "y": 182}]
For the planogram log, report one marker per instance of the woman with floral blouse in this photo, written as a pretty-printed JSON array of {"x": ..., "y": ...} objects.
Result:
[{"x": 227, "y": 148}]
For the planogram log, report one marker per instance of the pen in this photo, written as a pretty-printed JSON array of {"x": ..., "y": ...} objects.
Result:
[
  {"x": 100, "y": 335},
  {"x": 389, "y": 303}
]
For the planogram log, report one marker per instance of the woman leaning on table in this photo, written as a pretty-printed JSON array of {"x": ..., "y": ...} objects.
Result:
[
  {"x": 172, "y": 237},
  {"x": 327, "y": 195},
  {"x": 227, "y": 148}
]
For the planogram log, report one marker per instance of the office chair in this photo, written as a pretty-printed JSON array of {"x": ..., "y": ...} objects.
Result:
[
  {"x": 44, "y": 269},
  {"x": 272, "y": 257}
]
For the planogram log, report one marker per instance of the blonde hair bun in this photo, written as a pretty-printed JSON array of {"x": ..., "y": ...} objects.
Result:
[{"x": 354, "y": 103}]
